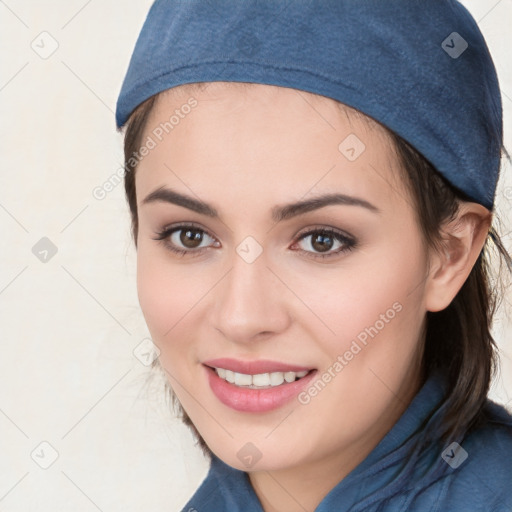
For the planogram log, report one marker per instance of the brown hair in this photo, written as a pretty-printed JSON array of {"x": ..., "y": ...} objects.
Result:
[{"x": 458, "y": 340}]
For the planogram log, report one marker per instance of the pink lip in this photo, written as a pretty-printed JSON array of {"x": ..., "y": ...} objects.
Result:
[
  {"x": 255, "y": 400},
  {"x": 253, "y": 367}
]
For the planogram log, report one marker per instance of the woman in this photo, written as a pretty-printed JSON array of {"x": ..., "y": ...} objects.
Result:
[{"x": 311, "y": 189}]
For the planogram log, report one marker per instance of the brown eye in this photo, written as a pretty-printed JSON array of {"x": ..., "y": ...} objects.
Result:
[
  {"x": 191, "y": 238},
  {"x": 186, "y": 239},
  {"x": 323, "y": 241}
]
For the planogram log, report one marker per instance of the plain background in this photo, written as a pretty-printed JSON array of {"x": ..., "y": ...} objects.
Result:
[{"x": 71, "y": 325}]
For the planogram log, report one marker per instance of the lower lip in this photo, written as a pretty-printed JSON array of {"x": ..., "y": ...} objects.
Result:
[{"x": 255, "y": 400}]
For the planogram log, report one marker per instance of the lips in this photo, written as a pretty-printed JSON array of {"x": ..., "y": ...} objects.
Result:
[
  {"x": 254, "y": 367},
  {"x": 247, "y": 399}
]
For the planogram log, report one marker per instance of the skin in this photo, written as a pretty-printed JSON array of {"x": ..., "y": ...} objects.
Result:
[{"x": 244, "y": 151}]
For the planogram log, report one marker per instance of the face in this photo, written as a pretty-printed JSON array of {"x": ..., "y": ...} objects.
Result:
[{"x": 324, "y": 301}]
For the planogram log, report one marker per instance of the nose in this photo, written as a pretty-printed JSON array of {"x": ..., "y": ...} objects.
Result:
[{"x": 250, "y": 302}]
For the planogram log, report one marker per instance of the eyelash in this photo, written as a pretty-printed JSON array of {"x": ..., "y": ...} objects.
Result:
[{"x": 349, "y": 243}]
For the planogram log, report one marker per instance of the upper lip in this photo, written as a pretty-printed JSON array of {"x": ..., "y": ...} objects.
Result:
[{"x": 254, "y": 367}]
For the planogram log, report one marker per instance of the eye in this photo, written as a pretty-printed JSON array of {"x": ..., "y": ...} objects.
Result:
[
  {"x": 184, "y": 239},
  {"x": 323, "y": 240},
  {"x": 187, "y": 239}
]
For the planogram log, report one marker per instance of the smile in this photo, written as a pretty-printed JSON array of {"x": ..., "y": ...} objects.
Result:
[
  {"x": 260, "y": 380},
  {"x": 256, "y": 386}
]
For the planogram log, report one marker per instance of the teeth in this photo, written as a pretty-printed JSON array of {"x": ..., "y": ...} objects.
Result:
[
  {"x": 241, "y": 379},
  {"x": 261, "y": 380},
  {"x": 277, "y": 378},
  {"x": 289, "y": 376}
]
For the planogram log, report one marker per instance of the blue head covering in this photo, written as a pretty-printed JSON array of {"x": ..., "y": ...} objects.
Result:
[{"x": 421, "y": 68}]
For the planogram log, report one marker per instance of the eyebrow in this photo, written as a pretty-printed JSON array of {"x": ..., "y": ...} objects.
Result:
[{"x": 279, "y": 213}]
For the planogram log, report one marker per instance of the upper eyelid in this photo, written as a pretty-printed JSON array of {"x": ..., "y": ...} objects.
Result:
[
  {"x": 176, "y": 227},
  {"x": 328, "y": 229}
]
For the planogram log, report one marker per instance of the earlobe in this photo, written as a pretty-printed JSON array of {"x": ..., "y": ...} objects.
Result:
[{"x": 462, "y": 241}]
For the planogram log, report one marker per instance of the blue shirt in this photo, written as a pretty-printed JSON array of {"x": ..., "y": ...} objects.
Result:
[{"x": 445, "y": 478}]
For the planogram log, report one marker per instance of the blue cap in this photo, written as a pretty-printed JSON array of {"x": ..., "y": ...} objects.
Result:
[{"x": 420, "y": 68}]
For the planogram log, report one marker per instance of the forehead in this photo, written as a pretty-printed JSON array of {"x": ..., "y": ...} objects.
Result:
[
  {"x": 242, "y": 133},
  {"x": 256, "y": 92}
]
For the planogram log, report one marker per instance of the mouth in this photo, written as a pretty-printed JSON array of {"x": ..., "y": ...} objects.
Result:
[
  {"x": 256, "y": 386},
  {"x": 259, "y": 380}
]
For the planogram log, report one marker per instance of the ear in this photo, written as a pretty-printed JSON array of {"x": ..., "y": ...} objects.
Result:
[{"x": 462, "y": 241}]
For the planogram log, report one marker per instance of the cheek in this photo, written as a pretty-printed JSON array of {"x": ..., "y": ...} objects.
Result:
[
  {"x": 379, "y": 298},
  {"x": 166, "y": 296}
]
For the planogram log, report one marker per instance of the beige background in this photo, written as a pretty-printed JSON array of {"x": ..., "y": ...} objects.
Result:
[{"x": 70, "y": 326}]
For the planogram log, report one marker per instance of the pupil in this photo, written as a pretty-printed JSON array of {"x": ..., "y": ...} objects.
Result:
[
  {"x": 189, "y": 237},
  {"x": 322, "y": 245}
]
